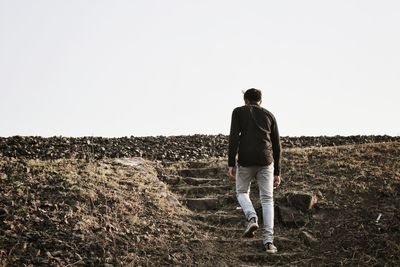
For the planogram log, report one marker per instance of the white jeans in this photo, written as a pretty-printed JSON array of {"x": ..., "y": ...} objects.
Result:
[{"x": 265, "y": 180}]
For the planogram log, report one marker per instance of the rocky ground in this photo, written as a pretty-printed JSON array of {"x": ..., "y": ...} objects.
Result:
[
  {"x": 69, "y": 202},
  {"x": 172, "y": 148}
]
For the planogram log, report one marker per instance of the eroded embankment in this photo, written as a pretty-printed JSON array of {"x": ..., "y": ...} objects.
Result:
[{"x": 75, "y": 213}]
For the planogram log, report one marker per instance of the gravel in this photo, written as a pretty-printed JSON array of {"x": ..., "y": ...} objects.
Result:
[{"x": 171, "y": 148}]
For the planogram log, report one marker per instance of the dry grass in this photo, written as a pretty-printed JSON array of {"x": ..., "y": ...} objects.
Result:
[{"x": 74, "y": 212}]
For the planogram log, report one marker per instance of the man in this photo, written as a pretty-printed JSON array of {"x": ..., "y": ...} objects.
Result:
[{"x": 254, "y": 137}]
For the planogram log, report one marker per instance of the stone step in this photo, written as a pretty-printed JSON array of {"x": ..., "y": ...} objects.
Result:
[
  {"x": 220, "y": 219},
  {"x": 198, "y": 164},
  {"x": 201, "y": 191},
  {"x": 234, "y": 231},
  {"x": 200, "y": 172},
  {"x": 201, "y": 203},
  {"x": 171, "y": 179},
  {"x": 222, "y": 209},
  {"x": 200, "y": 181},
  {"x": 176, "y": 180},
  {"x": 263, "y": 257},
  {"x": 226, "y": 201}
]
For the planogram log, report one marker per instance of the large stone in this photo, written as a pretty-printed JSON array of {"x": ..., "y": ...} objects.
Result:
[
  {"x": 301, "y": 201},
  {"x": 202, "y": 203},
  {"x": 291, "y": 217}
]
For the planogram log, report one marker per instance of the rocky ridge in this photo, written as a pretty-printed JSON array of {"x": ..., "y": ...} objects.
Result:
[{"x": 172, "y": 148}]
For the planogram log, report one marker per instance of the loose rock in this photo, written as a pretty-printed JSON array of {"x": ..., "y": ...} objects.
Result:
[{"x": 301, "y": 201}]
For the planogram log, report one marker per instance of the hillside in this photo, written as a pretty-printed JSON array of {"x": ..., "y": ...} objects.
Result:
[{"x": 138, "y": 212}]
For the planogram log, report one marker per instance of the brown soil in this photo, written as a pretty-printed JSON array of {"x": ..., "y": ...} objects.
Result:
[{"x": 127, "y": 212}]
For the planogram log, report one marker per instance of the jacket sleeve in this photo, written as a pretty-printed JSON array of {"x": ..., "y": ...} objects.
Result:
[
  {"x": 276, "y": 147},
  {"x": 233, "y": 139}
]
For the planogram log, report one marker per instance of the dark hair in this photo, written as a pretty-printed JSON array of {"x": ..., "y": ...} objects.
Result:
[{"x": 252, "y": 95}]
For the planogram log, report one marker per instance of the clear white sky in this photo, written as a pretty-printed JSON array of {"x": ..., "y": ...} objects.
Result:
[{"x": 121, "y": 68}]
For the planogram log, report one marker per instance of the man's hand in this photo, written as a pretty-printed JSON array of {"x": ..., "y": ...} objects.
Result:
[
  {"x": 232, "y": 173},
  {"x": 277, "y": 181}
]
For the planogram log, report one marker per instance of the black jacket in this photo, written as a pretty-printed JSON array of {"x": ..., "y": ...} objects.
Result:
[{"x": 254, "y": 135}]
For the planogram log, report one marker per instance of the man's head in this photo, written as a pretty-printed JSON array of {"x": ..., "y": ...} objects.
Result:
[{"x": 252, "y": 96}]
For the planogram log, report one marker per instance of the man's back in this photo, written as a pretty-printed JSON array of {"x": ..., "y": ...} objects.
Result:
[{"x": 254, "y": 134}]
